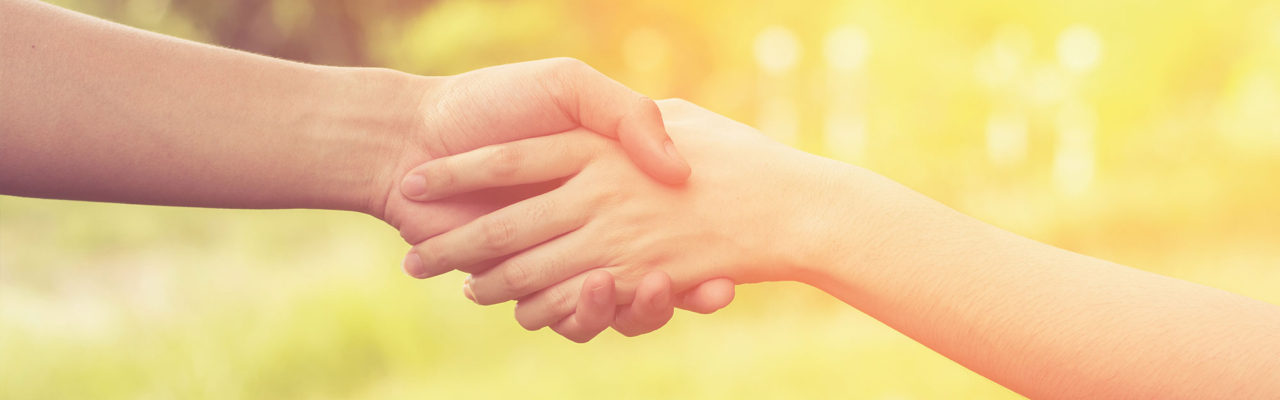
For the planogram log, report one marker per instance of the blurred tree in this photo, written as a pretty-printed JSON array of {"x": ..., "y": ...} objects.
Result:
[{"x": 331, "y": 32}]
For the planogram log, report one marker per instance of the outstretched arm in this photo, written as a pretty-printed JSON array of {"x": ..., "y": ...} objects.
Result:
[
  {"x": 1042, "y": 321},
  {"x": 93, "y": 110},
  {"x": 99, "y": 111}
]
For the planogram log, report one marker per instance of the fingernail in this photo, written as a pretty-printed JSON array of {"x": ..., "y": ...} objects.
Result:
[
  {"x": 466, "y": 290},
  {"x": 414, "y": 186},
  {"x": 412, "y": 265}
]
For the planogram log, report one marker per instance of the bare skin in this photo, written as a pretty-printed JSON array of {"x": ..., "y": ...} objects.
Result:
[
  {"x": 1039, "y": 320},
  {"x": 98, "y": 111}
]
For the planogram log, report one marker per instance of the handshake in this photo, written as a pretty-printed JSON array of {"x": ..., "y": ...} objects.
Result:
[
  {"x": 519, "y": 175},
  {"x": 593, "y": 206}
]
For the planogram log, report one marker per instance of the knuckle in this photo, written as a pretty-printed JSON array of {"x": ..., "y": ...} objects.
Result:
[
  {"x": 515, "y": 277},
  {"x": 559, "y": 300},
  {"x": 497, "y": 233},
  {"x": 568, "y": 64},
  {"x": 567, "y": 70},
  {"x": 544, "y": 309},
  {"x": 542, "y": 209},
  {"x": 504, "y": 161},
  {"x": 646, "y": 104}
]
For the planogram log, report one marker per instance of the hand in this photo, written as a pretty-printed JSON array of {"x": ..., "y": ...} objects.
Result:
[
  {"x": 739, "y": 216},
  {"x": 511, "y": 102}
]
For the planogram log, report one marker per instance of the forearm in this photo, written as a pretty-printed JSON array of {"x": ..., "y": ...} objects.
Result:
[
  {"x": 1040, "y": 320},
  {"x": 99, "y": 111}
]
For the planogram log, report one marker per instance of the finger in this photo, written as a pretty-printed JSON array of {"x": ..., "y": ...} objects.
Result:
[
  {"x": 483, "y": 265},
  {"x": 651, "y": 308},
  {"x": 549, "y": 305},
  {"x": 537, "y": 268},
  {"x": 526, "y": 161},
  {"x": 651, "y": 304},
  {"x": 609, "y": 108},
  {"x": 412, "y": 265},
  {"x": 508, "y": 230},
  {"x": 594, "y": 312},
  {"x": 707, "y": 297}
]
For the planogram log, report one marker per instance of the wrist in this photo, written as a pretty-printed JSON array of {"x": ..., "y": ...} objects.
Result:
[
  {"x": 365, "y": 119},
  {"x": 805, "y": 214},
  {"x": 839, "y": 231},
  {"x": 864, "y": 227}
]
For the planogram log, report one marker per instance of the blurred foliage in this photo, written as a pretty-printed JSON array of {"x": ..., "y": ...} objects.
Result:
[{"x": 1137, "y": 131}]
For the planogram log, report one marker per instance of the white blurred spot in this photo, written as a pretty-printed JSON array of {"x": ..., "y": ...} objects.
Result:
[
  {"x": 1002, "y": 60},
  {"x": 847, "y": 48},
  {"x": 75, "y": 312},
  {"x": 1275, "y": 32},
  {"x": 777, "y": 50},
  {"x": 1250, "y": 117},
  {"x": 846, "y": 136},
  {"x": 645, "y": 49},
  {"x": 1006, "y": 138},
  {"x": 1073, "y": 160},
  {"x": 1048, "y": 86},
  {"x": 1079, "y": 48}
]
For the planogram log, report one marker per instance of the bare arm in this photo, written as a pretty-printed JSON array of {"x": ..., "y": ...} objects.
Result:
[
  {"x": 99, "y": 111},
  {"x": 1040, "y": 320}
]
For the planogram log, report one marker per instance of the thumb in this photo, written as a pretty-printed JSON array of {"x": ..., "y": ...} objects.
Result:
[{"x": 609, "y": 108}]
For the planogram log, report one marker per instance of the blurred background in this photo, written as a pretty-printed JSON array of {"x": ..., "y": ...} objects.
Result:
[{"x": 1142, "y": 132}]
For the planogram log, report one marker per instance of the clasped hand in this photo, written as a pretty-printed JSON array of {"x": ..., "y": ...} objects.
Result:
[
  {"x": 461, "y": 113},
  {"x": 592, "y": 210}
]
